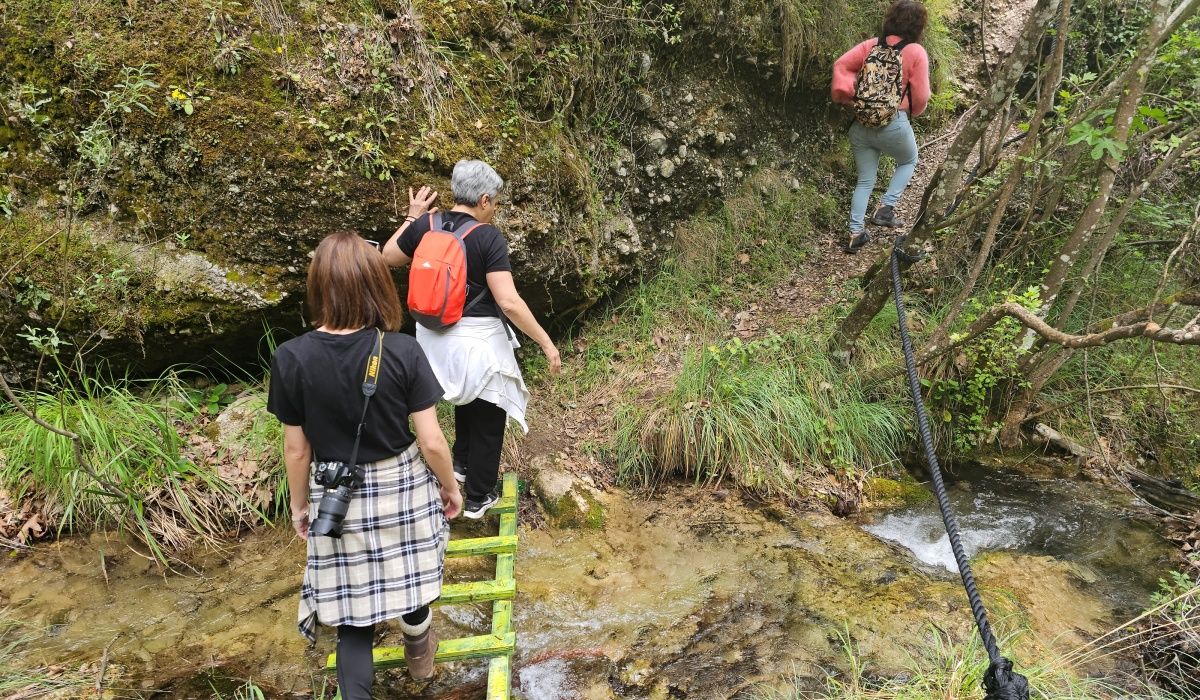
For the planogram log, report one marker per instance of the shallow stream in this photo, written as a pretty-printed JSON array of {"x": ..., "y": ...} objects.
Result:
[
  {"x": 695, "y": 594},
  {"x": 1086, "y": 525}
]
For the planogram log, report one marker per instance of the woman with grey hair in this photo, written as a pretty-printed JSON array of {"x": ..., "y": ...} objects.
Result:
[{"x": 473, "y": 359}]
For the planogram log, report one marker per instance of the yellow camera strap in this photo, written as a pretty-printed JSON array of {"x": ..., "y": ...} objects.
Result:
[{"x": 369, "y": 385}]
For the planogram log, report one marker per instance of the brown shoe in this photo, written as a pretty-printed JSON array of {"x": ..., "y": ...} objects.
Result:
[{"x": 419, "y": 652}]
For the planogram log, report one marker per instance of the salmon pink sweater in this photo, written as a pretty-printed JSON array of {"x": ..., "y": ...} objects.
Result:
[{"x": 914, "y": 71}]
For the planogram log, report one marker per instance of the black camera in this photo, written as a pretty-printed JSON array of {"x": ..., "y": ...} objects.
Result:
[{"x": 340, "y": 480}]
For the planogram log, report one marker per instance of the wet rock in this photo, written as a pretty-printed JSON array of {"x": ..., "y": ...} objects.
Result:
[
  {"x": 567, "y": 500},
  {"x": 892, "y": 493},
  {"x": 1056, "y": 604}
]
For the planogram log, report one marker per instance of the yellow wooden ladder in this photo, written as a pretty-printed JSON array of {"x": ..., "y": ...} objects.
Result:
[{"x": 502, "y": 642}]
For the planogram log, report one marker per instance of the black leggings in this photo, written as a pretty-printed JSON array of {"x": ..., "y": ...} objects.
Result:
[
  {"x": 355, "y": 661},
  {"x": 478, "y": 439}
]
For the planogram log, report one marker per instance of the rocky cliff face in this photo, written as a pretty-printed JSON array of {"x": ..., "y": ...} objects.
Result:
[{"x": 168, "y": 166}]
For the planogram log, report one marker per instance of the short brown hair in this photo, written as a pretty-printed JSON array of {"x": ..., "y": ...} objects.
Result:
[
  {"x": 350, "y": 286},
  {"x": 906, "y": 19}
]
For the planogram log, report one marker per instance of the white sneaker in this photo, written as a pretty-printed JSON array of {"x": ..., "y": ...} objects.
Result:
[{"x": 476, "y": 509}]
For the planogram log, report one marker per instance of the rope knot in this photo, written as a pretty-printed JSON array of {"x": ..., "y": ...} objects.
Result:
[
  {"x": 903, "y": 255},
  {"x": 1002, "y": 683}
]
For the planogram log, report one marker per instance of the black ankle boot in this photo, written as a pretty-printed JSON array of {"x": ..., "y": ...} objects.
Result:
[{"x": 885, "y": 215}]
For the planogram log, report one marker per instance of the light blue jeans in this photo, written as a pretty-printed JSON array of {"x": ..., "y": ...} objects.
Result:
[{"x": 896, "y": 140}]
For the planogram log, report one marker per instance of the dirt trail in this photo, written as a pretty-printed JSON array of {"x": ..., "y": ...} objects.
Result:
[{"x": 564, "y": 428}]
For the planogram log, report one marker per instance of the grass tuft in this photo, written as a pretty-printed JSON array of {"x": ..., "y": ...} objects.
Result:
[
  {"x": 768, "y": 415},
  {"x": 145, "y": 477}
]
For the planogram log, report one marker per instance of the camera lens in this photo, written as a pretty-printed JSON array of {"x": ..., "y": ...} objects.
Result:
[{"x": 332, "y": 511}]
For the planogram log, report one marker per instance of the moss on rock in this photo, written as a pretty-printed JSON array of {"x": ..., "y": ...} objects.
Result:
[
  {"x": 894, "y": 493},
  {"x": 567, "y": 500}
]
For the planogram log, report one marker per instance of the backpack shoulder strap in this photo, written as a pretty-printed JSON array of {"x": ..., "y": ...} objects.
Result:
[
  {"x": 467, "y": 231},
  {"x": 435, "y": 221}
]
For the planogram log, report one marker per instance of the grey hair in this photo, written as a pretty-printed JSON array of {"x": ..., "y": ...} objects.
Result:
[{"x": 472, "y": 179}]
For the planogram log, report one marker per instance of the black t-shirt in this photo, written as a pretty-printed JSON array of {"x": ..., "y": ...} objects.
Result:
[
  {"x": 316, "y": 383},
  {"x": 487, "y": 251}
]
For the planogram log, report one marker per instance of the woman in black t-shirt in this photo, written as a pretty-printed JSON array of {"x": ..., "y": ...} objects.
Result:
[
  {"x": 473, "y": 359},
  {"x": 388, "y": 561}
]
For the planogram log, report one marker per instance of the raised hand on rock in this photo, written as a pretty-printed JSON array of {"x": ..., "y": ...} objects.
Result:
[{"x": 421, "y": 202}]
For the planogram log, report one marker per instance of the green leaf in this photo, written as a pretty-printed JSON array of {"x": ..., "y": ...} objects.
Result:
[
  {"x": 1154, "y": 113},
  {"x": 187, "y": 107}
]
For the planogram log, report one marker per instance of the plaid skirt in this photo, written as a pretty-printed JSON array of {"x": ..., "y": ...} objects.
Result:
[{"x": 389, "y": 559}]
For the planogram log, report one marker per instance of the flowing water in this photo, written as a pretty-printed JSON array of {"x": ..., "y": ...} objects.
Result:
[
  {"x": 695, "y": 594},
  {"x": 1074, "y": 521}
]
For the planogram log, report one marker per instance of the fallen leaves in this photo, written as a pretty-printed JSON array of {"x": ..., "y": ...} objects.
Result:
[
  {"x": 746, "y": 323},
  {"x": 25, "y": 521}
]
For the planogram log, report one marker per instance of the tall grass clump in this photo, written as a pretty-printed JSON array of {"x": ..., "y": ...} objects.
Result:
[
  {"x": 133, "y": 470},
  {"x": 766, "y": 415},
  {"x": 1166, "y": 637}
]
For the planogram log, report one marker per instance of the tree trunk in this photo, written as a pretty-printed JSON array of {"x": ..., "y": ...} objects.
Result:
[
  {"x": 1137, "y": 73},
  {"x": 1051, "y": 79},
  {"x": 1114, "y": 226},
  {"x": 1010, "y": 425}
]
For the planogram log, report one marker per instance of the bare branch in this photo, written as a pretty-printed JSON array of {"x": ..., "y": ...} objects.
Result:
[{"x": 1109, "y": 331}]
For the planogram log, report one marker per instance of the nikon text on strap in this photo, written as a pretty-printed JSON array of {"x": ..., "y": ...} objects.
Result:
[{"x": 369, "y": 385}]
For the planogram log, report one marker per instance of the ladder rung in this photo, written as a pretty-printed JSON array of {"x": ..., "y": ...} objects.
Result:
[
  {"x": 480, "y": 546},
  {"x": 482, "y": 647},
  {"x": 477, "y": 592}
]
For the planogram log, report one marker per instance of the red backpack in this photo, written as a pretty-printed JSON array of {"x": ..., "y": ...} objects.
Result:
[{"x": 437, "y": 278}]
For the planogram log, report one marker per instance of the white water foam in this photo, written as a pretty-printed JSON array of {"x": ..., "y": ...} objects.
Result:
[{"x": 548, "y": 680}]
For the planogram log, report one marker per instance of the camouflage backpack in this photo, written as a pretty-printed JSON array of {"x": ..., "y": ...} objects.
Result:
[{"x": 879, "y": 89}]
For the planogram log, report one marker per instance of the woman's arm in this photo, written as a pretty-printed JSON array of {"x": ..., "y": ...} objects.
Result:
[
  {"x": 437, "y": 455},
  {"x": 845, "y": 72},
  {"x": 916, "y": 65},
  {"x": 297, "y": 455},
  {"x": 418, "y": 204},
  {"x": 504, "y": 291}
]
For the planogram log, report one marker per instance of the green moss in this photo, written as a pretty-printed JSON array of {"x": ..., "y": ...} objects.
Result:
[
  {"x": 576, "y": 509},
  {"x": 894, "y": 493}
]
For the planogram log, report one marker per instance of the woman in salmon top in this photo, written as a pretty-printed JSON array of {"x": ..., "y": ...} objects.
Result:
[{"x": 903, "y": 26}]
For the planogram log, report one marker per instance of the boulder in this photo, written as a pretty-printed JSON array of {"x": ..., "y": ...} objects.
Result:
[
  {"x": 155, "y": 187},
  {"x": 569, "y": 502}
]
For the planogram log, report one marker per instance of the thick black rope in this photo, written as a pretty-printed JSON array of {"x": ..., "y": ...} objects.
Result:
[{"x": 1000, "y": 681}]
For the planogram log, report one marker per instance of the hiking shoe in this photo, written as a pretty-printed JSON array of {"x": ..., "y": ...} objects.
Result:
[
  {"x": 885, "y": 215},
  {"x": 857, "y": 240},
  {"x": 460, "y": 472},
  {"x": 476, "y": 509},
  {"x": 419, "y": 651}
]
